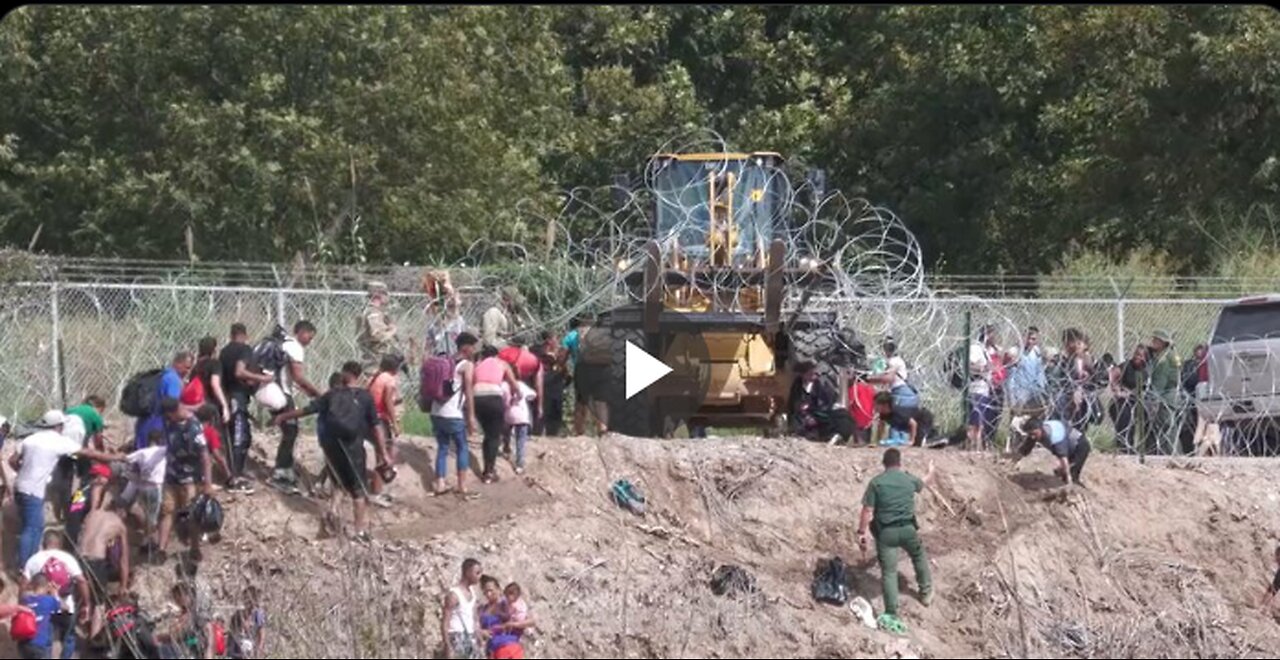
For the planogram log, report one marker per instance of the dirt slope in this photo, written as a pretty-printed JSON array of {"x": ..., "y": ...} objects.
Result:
[{"x": 1160, "y": 560}]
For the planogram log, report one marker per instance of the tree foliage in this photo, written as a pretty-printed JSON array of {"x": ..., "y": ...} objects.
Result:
[{"x": 1006, "y": 136}]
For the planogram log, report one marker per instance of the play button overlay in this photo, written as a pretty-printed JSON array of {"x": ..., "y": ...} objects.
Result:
[{"x": 642, "y": 370}]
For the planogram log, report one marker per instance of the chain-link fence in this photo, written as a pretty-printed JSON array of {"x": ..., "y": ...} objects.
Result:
[{"x": 64, "y": 341}]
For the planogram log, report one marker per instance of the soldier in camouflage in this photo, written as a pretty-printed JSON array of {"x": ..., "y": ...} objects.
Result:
[{"x": 376, "y": 332}]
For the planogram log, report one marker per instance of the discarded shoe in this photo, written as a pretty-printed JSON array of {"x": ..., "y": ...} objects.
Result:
[
  {"x": 863, "y": 610},
  {"x": 628, "y": 497}
]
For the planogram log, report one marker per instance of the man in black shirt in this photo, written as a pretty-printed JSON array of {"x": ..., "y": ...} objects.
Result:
[
  {"x": 239, "y": 380},
  {"x": 347, "y": 418}
]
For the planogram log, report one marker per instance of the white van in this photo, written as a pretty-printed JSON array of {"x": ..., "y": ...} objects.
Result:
[{"x": 1244, "y": 363}]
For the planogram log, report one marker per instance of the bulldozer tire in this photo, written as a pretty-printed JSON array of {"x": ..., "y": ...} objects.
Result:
[
  {"x": 816, "y": 345},
  {"x": 634, "y": 417}
]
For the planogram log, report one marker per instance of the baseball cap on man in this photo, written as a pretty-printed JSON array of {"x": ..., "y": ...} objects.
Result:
[
  {"x": 51, "y": 419},
  {"x": 377, "y": 287},
  {"x": 1162, "y": 335}
]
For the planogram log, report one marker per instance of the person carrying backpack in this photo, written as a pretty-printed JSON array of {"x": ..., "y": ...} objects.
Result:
[
  {"x": 142, "y": 395},
  {"x": 348, "y": 417},
  {"x": 448, "y": 389},
  {"x": 35, "y": 636},
  {"x": 187, "y": 466},
  {"x": 239, "y": 380},
  {"x": 285, "y": 357},
  {"x": 62, "y": 570}
]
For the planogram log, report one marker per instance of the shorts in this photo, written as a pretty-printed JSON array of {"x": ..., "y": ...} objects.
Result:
[
  {"x": 347, "y": 464},
  {"x": 177, "y": 497},
  {"x": 101, "y": 572},
  {"x": 147, "y": 496},
  {"x": 464, "y": 645},
  {"x": 509, "y": 652},
  {"x": 984, "y": 412},
  {"x": 590, "y": 382}
]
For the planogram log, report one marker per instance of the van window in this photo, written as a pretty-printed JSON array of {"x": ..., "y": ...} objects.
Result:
[{"x": 1247, "y": 322}]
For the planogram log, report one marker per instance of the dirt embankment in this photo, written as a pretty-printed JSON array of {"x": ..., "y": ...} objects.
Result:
[{"x": 1162, "y": 560}]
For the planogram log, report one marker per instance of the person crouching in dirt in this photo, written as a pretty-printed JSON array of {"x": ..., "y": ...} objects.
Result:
[
  {"x": 889, "y": 518},
  {"x": 813, "y": 411},
  {"x": 1070, "y": 446},
  {"x": 348, "y": 417},
  {"x": 910, "y": 425}
]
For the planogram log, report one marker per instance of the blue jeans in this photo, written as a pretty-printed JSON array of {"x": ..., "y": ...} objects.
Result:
[
  {"x": 31, "y": 511},
  {"x": 521, "y": 434},
  {"x": 905, "y": 397},
  {"x": 450, "y": 432}
]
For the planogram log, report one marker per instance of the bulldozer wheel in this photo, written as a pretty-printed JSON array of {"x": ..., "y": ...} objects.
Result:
[
  {"x": 816, "y": 345},
  {"x": 635, "y": 417}
]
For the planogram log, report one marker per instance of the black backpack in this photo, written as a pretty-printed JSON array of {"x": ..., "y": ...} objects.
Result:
[
  {"x": 269, "y": 354},
  {"x": 831, "y": 582},
  {"x": 141, "y": 395},
  {"x": 346, "y": 416},
  {"x": 206, "y": 512}
]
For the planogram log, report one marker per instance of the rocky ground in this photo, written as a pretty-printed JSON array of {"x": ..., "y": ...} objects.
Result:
[{"x": 1166, "y": 559}]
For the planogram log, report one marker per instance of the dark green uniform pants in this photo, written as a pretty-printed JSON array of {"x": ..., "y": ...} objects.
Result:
[{"x": 888, "y": 543}]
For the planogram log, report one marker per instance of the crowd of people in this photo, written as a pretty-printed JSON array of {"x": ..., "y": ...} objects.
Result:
[
  {"x": 120, "y": 503},
  {"x": 195, "y": 425}
]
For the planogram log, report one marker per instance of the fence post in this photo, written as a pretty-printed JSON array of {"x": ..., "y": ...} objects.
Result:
[
  {"x": 1120, "y": 351},
  {"x": 963, "y": 362},
  {"x": 55, "y": 346},
  {"x": 280, "y": 307}
]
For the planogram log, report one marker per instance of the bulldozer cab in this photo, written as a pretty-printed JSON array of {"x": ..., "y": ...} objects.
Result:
[{"x": 718, "y": 209}]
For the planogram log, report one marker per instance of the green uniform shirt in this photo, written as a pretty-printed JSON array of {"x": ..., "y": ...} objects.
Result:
[
  {"x": 1165, "y": 376},
  {"x": 893, "y": 496}
]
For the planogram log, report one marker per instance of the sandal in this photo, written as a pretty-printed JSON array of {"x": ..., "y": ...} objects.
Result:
[
  {"x": 441, "y": 493},
  {"x": 468, "y": 495}
]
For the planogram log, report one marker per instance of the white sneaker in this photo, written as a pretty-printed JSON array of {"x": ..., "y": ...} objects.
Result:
[{"x": 382, "y": 500}]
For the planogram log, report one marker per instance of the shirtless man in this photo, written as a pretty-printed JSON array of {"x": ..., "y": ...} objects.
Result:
[{"x": 102, "y": 530}]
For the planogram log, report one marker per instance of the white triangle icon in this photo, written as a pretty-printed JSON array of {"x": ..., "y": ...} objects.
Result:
[{"x": 643, "y": 369}]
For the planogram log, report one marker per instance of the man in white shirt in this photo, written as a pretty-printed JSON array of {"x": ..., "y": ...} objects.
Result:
[
  {"x": 294, "y": 378},
  {"x": 62, "y": 569},
  {"x": 36, "y": 459}
]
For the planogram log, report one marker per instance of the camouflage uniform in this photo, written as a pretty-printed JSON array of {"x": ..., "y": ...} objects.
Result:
[{"x": 376, "y": 333}]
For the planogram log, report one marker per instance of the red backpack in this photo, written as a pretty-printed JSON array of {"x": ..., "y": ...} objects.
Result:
[
  {"x": 23, "y": 627},
  {"x": 435, "y": 381}
]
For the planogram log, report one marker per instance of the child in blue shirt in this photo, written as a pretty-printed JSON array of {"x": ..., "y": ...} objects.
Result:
[{"x": 41, "y": 596}]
